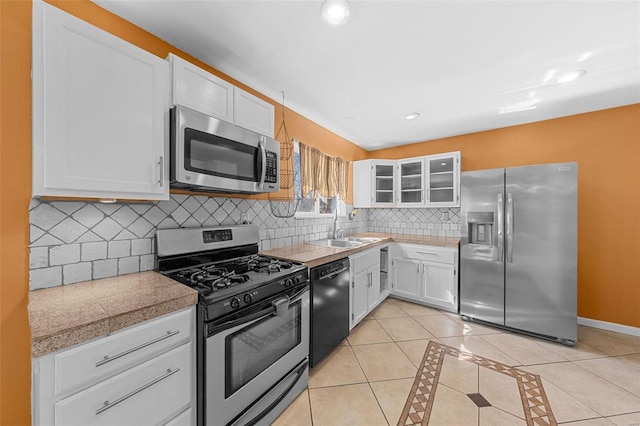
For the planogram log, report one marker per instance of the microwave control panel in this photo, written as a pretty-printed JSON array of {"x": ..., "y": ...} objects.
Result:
[{"x": 271, "y": 175}]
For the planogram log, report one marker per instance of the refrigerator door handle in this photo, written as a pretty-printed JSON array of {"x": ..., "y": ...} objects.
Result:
[
  {"x": 500, "y": 226},
  {"x": 509, "y": 228}
]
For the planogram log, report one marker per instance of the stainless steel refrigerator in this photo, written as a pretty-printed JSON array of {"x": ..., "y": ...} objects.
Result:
[{"x": 518, "y": 251}]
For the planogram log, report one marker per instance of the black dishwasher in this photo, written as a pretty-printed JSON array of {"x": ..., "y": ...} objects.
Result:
[{"x": 330, "y": 308}]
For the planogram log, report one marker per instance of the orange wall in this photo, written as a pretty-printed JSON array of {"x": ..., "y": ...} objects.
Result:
[
  {"x": 15, "y": 190},
  {"x": 15, "y": 175},
  {"x": 606, "y": 145}
]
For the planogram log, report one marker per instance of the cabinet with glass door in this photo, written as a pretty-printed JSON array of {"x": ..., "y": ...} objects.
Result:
[
  {"x": 383, "y": 183},
  {"x": 443, "y": 177},
  {"x": 411, "y": 182}
]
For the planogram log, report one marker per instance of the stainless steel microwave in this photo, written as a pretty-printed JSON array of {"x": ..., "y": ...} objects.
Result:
[{"x": 211, "y": 155}]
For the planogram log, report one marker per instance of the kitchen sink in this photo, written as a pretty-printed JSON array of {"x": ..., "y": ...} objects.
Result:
[
  {"x": 344, "y": 242},
  {"x": 333, "y": 242},
  {"x": 363, "y": 240}
]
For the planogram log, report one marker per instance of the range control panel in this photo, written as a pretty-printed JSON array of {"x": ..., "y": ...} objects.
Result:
[{"x": 217, "y": 236}]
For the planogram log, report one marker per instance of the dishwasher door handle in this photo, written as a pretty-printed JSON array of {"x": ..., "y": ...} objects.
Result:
[{"x": 326, "y": 277}]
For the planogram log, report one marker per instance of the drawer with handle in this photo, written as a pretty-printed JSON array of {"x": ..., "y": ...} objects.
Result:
[
  {"x": 150, "y": 393},
  {"x": 428, "y": 253},
  {"x": 101, "y": 358}
]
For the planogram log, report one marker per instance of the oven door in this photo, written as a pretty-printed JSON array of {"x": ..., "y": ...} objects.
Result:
[
  {"x": 209, "y": 153},
  {"x": 246, "y": 357}
]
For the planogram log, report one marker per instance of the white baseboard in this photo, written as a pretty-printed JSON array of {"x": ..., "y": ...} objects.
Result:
[{"x": 610, "y": 326}]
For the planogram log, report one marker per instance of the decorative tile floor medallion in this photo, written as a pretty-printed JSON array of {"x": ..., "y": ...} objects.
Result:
[{"x": 419, "y": 405}]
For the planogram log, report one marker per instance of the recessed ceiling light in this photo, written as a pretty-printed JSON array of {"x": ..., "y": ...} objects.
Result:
[
  {"x": 585, "y": 56},
  {"x": 570, "y": 76},
  {"x": 412, "y": 116},
  {"x": 519, "y": 106},
  {"x": 549, "y": 75},
  {"x": 335, "y": 12}
]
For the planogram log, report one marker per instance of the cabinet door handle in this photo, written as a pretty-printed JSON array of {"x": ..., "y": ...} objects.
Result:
[
  {"x": 370, "y": 280},
  {"x": 161, "y": 171},
  {"x": 108, "y": 358},
  {"x": 108, "y": 404}
]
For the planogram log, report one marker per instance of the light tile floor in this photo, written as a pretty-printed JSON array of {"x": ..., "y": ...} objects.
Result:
[{"x": 367, "y": 380}]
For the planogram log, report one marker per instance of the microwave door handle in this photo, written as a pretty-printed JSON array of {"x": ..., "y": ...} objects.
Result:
[{"x": 263, "y": 164}]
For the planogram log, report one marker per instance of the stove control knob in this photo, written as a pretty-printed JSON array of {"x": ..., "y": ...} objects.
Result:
[
  {"x": 247, "y": 298},
  {"x": 288, "y": 282},
  {"x": 296, "y": 279},
  {"x": 235, "y": 303}
]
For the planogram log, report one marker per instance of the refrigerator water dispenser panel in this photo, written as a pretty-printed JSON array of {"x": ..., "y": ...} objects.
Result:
[{"x": 480, "y": 228}]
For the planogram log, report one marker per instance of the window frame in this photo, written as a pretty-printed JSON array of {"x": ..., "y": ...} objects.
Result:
[{"x": 315, "y": 214}]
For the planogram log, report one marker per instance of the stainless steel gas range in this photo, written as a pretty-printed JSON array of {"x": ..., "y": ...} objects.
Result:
[{"x": 252, "y": 322}]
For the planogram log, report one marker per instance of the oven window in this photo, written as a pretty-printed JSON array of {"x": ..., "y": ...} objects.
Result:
[
  {"x": 253, "y": 349},
  {"x": 217, "y": 156}
]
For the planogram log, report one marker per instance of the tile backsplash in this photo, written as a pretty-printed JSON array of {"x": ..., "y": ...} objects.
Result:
[
  {"x": 444, "y": 222},
  {"x": 74, "y": 241}
]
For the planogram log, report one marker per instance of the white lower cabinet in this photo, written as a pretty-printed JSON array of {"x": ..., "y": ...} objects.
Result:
[
  {"x": 150, "y": 394},
  {"x": 366, "y": 292},
  {"x": 440, "y": 285},
  {"x": 406, "y": 279},
  {"x": 425, "y": 274},
  {"x": 143, "y": 375}
]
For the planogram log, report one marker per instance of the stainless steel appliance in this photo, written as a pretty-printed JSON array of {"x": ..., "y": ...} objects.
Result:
[
  {"x": 253, "y": 320},
  {"x": 208, "y": 154},
  {"x": 518, "y": 252},
  {"x": 330, "y": 308}
]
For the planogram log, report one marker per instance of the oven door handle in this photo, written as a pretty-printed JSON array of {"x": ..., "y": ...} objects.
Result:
[{"x": 255, "y": 317}]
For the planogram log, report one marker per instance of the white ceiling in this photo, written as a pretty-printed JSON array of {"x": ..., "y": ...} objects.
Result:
[{"x": 457, "y": 63}]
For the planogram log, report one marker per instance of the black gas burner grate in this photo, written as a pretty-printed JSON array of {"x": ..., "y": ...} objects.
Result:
[{"x": 223, "y": 275}]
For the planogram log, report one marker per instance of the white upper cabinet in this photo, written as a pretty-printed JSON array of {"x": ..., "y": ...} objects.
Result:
[
  {"x": 252, "y": 112},
  {"x": 202, "y": 91},
  {"x": 384, "y": 184},
  {"x": 374, "y": 183},
  {"x": 100, "y": 112},
  {"x": 428, "y": 181},
  {"x": 443, "y": 180},
  {"x": 411, "y": 191},
  {"x": 362, "y": 190}
]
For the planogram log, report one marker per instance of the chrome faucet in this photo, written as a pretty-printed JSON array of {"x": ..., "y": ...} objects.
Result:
[{"x": 337, "y": 233}]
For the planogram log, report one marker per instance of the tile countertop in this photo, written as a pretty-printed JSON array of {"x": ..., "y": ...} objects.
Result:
[
  {"x": 64, "y": 316},
  {"x": 314, "y": 255}
]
